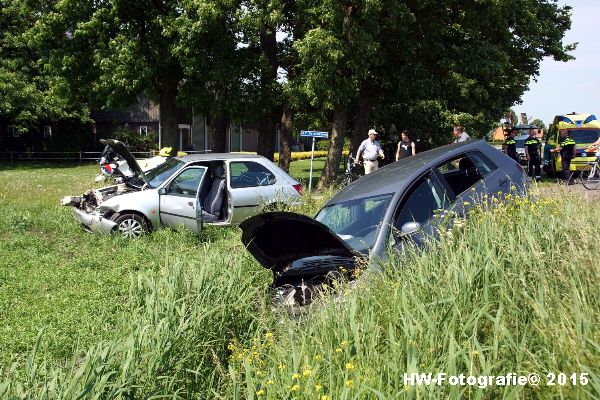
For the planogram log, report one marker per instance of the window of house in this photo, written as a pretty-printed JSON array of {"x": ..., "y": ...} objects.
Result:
[
  {"x": 250, "y": 174},
  {"x": 47, "y": 131},
  {"x": 143, "y": 130}
]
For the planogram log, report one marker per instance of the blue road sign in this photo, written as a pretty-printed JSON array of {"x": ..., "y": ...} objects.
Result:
[{"x": 315, "y": 134}]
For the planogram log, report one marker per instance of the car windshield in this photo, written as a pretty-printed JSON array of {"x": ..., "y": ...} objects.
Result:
[
  {"x": 584, "y": 135},
  {"x": 356, "y": 221},
  {"x": 156, "y": 176},
  {"x": 520, "y": 141}
]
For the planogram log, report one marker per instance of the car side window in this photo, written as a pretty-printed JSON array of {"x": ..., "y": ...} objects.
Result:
[
  {"x": 250, "y": 174},
  {"x": 461, "y": 173},
  {"x": 484, "y": 165},
  {"x": 186, "y": 183},
  {"x": 424, "y": 200}
]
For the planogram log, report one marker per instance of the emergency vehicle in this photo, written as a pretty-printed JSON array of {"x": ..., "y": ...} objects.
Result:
[{"x": 584, "y": 129}]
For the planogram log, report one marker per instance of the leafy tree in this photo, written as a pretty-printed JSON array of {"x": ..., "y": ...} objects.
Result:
[
  {"x": 114, "y": 50},
  {"x": 335, "y": 56},
  {"x": 474, "y": 60},
  {"x": 539, "y": 123},
  {"x": 29, "y": 93}
]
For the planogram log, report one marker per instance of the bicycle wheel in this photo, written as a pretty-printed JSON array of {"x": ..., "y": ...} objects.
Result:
[
  {"x": 347, "y": 180},
  {"x": 591, "y": 178}
]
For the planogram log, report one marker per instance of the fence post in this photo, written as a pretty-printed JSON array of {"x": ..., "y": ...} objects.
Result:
[
  {"x": 80, "y": 157},
  {"x": 11, "y": 157}
]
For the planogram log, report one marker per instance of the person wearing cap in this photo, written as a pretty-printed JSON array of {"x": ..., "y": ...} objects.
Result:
[{"x": 371, "y": 150}]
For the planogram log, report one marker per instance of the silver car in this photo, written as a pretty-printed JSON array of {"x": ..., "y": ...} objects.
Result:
[{"x": 219, "y": 189}]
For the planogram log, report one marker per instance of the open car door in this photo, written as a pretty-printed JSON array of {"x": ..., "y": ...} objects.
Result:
[{"x": 180, "y": 202}]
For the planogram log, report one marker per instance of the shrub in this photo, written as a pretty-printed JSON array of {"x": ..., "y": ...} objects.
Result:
[
  {"x": 136, "y": 142},
  {"x": 324, "y": 144},
  {"x": 303, "y": 155}
]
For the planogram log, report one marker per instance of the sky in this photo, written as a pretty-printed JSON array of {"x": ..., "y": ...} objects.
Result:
[{"x": 562, "y": 87}]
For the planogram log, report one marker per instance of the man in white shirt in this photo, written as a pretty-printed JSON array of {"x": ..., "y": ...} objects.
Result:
[
  {"x": 460, "y": 135},
  {"x": 370, "y": 150}
]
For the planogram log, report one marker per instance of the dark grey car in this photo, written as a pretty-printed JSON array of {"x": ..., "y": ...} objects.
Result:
[{"x": 406, "y": 199}]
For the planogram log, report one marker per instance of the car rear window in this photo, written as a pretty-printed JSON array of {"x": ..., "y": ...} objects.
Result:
[{"x": 250, "y": 174}]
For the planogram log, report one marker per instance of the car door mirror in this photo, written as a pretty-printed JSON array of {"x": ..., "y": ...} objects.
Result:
[
  {"x": 409, "y": 228},
  {"x": 162, "y": 191}
]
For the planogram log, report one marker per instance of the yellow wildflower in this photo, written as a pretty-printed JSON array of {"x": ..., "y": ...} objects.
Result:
[
  {"x": 324, "y": 397},
  {"x": 306, "y": 372},
  {"x": 318, "y": 388},
  {"x": 349, "y": 383},
  {"x": 349, "y": 365},
  {"x": 466, "y": 203},
  {"x": 281, "y": 366},
  {"x": 344, "y": 343},
  {"x": 270, "y": 382},
  {"x": 231, "y": 346},
  {"x": 261, "y": 392},
  {"x": 318, "y": 357},
  {"x": 269, "y": 335},
  {"x": 295, "y": 376},
  {"x": 295, "y": 388},
  {"x": 338, "y": 350}
]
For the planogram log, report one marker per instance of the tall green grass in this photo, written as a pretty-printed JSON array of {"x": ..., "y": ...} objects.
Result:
[{"x": 513, "y": 289}]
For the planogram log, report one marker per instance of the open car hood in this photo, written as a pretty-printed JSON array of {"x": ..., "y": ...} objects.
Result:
[
  {"x": 276, "y": 239},
  {"x": 121, "y": 150}
]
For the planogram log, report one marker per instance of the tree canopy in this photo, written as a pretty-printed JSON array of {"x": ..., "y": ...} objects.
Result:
[{"x": 341, "y": 66}]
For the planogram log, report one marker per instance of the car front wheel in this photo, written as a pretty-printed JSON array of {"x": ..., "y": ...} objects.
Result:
[{"x": 130, "y": 226}]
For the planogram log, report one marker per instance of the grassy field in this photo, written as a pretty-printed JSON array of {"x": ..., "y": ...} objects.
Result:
[{"x": 515, "y": 289}]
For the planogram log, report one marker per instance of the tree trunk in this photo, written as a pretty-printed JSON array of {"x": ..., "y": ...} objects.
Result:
[
  {"x": 266, "y": 135},
  {"x": 218, "y": 134},
  {"x": 361, "y": 119},
  {"x": 285, "y": 140},
  {"x": 334, "y": 156},
  {"x": 168, "y": 113},
  {"x": 268, "y": 79}
]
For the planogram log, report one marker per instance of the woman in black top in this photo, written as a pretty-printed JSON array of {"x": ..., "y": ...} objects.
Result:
[{"x": 406, "y": 147}]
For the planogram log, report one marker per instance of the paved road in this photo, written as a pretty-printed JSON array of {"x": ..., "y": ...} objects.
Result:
[{"x": 557, "y": 189}]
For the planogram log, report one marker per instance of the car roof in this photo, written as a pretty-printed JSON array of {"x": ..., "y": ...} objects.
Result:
[
  {"x": 218, "y": 156},
  {"x": 399, "y": 175}
]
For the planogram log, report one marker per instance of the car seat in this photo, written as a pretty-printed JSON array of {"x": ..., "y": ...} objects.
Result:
[{"x": 214, "y": 201}]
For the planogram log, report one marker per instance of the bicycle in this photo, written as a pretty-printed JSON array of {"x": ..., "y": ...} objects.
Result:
[
  {"x": 351, "y": 173},
  {"x": 590, "y": 178}
]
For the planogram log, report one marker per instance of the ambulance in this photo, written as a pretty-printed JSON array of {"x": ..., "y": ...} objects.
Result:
[{"x": 584, "y": 128}]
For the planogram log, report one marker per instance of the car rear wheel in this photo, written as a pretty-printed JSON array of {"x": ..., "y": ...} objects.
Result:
[{"x": 130, "y": 226}]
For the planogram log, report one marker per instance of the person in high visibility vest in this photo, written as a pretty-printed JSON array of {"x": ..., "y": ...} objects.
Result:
[
  {"x": 510, "y": 145},
  {"x": 532, "y": 150},
  {"x": 566, "y": 146}
]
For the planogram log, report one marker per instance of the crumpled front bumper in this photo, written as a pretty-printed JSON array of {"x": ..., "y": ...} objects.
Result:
[{"x": 93, "y": 222}]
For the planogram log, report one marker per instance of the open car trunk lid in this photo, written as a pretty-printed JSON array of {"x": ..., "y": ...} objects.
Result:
[
  {"x": 276, "y": 239},
  {"x": 121, "y": 150}
]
